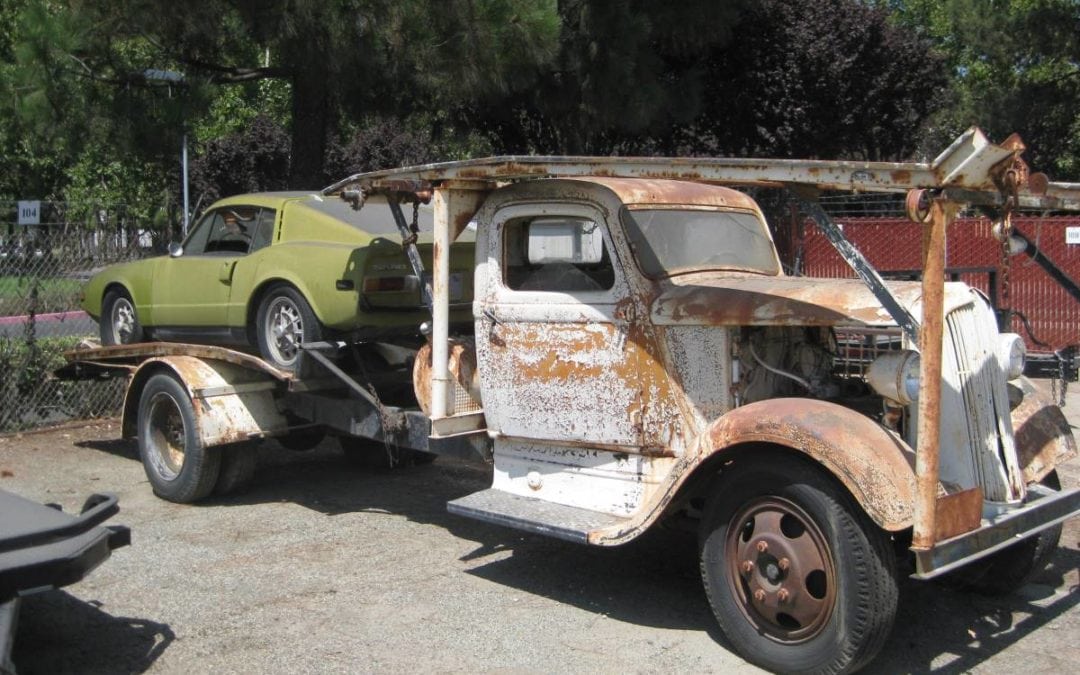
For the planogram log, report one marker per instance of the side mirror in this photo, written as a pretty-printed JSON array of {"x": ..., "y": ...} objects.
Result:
[{"x": 175, "y": 249}]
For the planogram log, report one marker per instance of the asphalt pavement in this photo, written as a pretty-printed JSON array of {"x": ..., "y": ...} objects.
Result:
[{"x": 323, "y": 567}]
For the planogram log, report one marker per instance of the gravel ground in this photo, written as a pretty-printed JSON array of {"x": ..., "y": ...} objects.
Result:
[{"x": 321, "y": 567}]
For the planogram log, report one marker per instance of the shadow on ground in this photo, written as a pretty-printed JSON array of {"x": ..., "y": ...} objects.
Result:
[
  {"x": 653, "y": 581},
  {"x": 58, "y": 633}
]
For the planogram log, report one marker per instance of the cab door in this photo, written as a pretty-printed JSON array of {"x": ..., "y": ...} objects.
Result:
[{"x": 559, "y": 358}]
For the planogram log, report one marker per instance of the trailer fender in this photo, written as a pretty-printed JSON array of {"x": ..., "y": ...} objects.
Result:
[
  {"x": 231, "y": 403},
  {"x": 874, "y": 464},
  {"x": 1043, "y": 436}
]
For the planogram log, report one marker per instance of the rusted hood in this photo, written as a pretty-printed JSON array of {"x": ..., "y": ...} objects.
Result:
[{"x": 786, "y": 301}]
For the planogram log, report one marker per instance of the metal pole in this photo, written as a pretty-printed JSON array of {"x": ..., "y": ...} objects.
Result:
[
  {"x": 184, "y": 171},
  {"x": 440, "y": 310},
  {"x": 930, "y": 336}
]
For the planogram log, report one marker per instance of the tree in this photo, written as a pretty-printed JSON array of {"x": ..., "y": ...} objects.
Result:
[
  {"x": 1015, "y": 67},
  {"x": 339, "y": 56},
  {"x": 833, "y": 78}
]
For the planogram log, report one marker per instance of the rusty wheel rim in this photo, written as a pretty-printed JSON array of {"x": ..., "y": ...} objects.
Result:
[
  {"x": 780, "y": 570},
  {"x": 167, "y": 437}
]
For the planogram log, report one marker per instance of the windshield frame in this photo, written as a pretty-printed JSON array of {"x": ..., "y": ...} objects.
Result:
[{"x": 627, "y": 209}]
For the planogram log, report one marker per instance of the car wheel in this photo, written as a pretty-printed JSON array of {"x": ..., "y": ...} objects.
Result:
[
  {"x": 180, "y": 468},
  {"x": 285, "y": 320},
  {"x": 119, "y": 324},
  {"x": 798, "y": 577}
]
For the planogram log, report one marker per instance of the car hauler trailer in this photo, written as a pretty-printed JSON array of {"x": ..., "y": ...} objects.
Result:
[{"x": 637, "y": 353}]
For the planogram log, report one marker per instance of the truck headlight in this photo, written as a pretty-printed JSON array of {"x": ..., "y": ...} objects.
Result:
[
  {"x": 895, "y": 375},
  {"x": 1012, "y": 355}
]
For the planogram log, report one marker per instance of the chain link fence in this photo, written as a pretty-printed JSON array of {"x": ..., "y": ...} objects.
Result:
[{"x": 43, "y": 267}]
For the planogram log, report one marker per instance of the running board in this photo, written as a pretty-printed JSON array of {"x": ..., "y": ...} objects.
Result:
[
  {"x": 1046, "y": 509},
  {"x": 533, "y": 515}
]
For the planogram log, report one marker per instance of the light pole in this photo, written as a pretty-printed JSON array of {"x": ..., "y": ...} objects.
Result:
[{"x": 173, "y": 77}]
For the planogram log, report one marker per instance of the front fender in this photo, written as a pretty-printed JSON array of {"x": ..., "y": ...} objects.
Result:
[
  {"x": 1043, "y": 436},
  {"x": 873, "y": 463}
]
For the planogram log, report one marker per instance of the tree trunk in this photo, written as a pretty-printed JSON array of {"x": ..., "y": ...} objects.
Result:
[{"x": 310, "y": 123}]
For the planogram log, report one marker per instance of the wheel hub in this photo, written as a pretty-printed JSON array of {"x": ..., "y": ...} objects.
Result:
[{"x": 781, "y": 570}]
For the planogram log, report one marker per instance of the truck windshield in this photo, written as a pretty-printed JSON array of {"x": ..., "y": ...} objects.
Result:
[{"x": 674, "y": 241}]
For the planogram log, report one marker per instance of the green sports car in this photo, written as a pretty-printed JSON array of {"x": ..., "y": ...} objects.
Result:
[{"x": 274, "y": 270}]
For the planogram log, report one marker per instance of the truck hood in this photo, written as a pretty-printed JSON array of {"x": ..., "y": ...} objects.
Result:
[{"x": 788, "y": 301}]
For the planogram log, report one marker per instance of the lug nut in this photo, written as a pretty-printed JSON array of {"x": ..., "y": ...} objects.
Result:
[
  {"x": 748, "y": 566},
  {"x": 762, "y": 546},
  {"x": 782, "y": 595},
  {"x": 784, "y": 564},
  {"x": 759, "y": 595}
]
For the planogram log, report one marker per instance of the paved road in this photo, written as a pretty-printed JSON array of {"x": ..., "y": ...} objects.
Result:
[
  {"x": 56, "y": 324},
  {"x": 325, "y": 568}
]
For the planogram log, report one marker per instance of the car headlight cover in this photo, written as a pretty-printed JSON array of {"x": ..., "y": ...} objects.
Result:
[
  {"x": 895, "y": 375},
  {"x": 1012, "y": 354}
]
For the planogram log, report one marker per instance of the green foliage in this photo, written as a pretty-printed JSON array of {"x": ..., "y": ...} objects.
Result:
[{"x": 1015, "y": 67}]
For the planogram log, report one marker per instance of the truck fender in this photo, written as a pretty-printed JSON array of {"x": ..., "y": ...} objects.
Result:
[
  {"x": 873, "y": 463},
  {"x": 231, "y": 403},
  {"x": 1043, "y": 436}
]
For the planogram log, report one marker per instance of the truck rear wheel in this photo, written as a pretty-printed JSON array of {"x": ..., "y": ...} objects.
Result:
[
  {"x": 238, "y": 462},
  {"x": 798, "y": 577},
  {"x": 179, "y": 467}
]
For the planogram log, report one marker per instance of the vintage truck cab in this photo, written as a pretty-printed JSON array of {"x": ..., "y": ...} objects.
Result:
[{"x": 639, "y": 355}]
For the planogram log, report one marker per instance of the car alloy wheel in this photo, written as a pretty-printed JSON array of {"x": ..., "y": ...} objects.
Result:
[
  {"x": 123, "y": 321},
  {"x": 285, "y": 330}
]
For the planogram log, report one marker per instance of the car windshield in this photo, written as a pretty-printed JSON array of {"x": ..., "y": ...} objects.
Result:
[{"x": 672, "y": 241}]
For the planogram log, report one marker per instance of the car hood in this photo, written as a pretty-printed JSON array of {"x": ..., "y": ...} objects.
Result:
[{"x": 787, "y": 301}]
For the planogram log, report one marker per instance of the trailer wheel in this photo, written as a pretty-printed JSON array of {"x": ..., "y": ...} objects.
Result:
[
  {"x": 179, "y": 467},
  {"x": 118, "y": 324},
  {"x": 370, "y": 454},
  {"x": 1009, "y": 569},
  {"x": 798, "y": 577},
  {"x": 238, "y": 462}
]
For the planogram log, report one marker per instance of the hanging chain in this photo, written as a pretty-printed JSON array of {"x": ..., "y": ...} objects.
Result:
[{"x": 414, "y": 226}]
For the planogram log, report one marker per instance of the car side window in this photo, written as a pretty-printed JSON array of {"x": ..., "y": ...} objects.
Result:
[
  {"x": 556, "y": 253},
  {"x": 264, "y": 229}
]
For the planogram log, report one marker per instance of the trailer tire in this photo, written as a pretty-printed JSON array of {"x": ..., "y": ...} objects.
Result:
[
  {"x": 238, "y": 463},
  {"x": 1007, "y": 570},
  {"x": 179, "y": 467},
  {"x": 798, "y": 577}
]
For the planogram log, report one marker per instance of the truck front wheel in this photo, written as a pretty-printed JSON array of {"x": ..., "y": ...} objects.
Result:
[
  {"x": 179, "y": 467},
  {"x": 798, "y": 577}
]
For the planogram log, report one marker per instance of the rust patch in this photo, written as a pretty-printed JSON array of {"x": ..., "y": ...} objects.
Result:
[
  {"x": 1043, "y": 436},
  {"x": 874, "y": 464},
  {"x": 958, "y": 513},
  {"x": 902, "y": 176}
]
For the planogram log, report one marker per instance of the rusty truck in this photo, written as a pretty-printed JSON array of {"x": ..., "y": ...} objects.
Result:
[{"x": 638, "y": 355}]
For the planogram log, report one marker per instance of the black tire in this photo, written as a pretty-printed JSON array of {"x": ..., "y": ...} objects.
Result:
[
  {"x": 238, "y": 463},
  {"x": 375, "y": 455},
  {"x": 1007, "y": 570},
  {"x": 179, "y": 467},
  {"x": 798, "y": 577},
  {"x": 284, "y": 320},
  {"x": 119, "y": 324}
]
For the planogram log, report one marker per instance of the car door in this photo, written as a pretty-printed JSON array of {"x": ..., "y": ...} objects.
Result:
[
  {"x": 192, "y": 291},
  {"x": 558, "y": 358}
]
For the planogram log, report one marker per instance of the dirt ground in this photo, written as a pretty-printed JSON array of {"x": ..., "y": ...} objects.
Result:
[{"x": 321, "y": 567}]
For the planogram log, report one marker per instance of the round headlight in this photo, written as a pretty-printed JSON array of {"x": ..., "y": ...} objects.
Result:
[
  {"x": 1012, "y": 355},
  {"x": 895, "y": 375}
]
